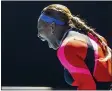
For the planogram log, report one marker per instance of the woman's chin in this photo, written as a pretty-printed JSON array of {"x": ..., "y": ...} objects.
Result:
[{"x": 53, "y": 47}]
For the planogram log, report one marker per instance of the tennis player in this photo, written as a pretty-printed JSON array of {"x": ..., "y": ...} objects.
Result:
[{"x": 84, "y": 54}]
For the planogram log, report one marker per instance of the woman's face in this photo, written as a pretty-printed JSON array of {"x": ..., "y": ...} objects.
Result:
[{"x": 45, "y": 34}]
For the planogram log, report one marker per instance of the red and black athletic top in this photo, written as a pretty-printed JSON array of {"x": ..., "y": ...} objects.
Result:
[{"x": 80, "y": 55}]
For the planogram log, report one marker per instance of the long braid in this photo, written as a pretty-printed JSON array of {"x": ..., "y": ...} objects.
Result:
[
  {"x": 79, "y": 24},
  {"x": 82, "y": 26}
]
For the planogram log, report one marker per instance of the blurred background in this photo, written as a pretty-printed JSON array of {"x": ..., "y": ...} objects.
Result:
[{"x": 27, "y": 61}]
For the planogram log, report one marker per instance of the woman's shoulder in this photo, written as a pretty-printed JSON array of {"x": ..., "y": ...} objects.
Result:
[
  {"x": 72, "y": 46},
  {"x": 76, "y": 41}
]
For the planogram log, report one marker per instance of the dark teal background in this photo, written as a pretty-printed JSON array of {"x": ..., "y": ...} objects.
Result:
[{"x": 27, "y": 61}]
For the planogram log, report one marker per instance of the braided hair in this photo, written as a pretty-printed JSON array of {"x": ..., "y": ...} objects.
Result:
[{"x": 63, "y": 13}]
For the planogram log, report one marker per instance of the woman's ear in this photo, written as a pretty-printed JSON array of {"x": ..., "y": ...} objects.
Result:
[{"x": 53, "y": 25}]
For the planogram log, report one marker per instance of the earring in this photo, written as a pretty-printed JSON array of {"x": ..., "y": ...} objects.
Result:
[
  {"x": 52, "y": 32},
  {"x": 52, "y": 28}
]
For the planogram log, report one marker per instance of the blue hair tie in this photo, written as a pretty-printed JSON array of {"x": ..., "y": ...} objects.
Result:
[{"x": 50, "y": 19}]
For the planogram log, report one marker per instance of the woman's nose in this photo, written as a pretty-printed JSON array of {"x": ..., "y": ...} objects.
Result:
[{"x": 38, "y": 35}]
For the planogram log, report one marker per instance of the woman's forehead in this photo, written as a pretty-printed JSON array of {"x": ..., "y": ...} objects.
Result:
[
  {"x": 41, "y": 22},
  {"x": 42, "y": 27}
]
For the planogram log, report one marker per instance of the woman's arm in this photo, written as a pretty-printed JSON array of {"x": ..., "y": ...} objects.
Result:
[{"x": 72, "y": 56}]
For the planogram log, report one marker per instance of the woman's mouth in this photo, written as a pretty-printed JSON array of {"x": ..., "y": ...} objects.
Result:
[{"x": 50, "y": 45}]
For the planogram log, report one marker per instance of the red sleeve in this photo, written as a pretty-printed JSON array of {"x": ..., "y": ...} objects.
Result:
[{"x": 74, "y": 53}]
